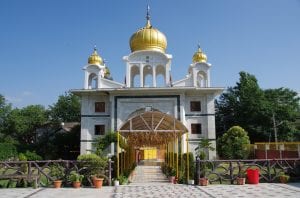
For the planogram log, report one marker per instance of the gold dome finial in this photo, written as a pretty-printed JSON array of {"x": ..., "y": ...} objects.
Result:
[
  {"x": 95, "y": 58},
  {"x": 199, "y": 56},
  {"x": 148, "y": 24},
  {"x": 148, "y": 38}
]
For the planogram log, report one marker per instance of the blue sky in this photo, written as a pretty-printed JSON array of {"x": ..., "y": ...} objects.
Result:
[{"x": 44, "y": 44}]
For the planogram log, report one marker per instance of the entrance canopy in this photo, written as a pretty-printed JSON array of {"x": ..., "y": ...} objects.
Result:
[{"x": 152, "y": 128}]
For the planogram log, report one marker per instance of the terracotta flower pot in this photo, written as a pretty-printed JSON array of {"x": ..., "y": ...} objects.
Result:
[
  {"x": 97, "y": 182},
  {"x": 57, "y": 183},
  {"x": 203, "y": 181},
  {"x": 172, "y": 179},
  {"x": 240, "y": 181},
  {"x": 76, "y": 184},
  {"x": 284, "y": 179}
]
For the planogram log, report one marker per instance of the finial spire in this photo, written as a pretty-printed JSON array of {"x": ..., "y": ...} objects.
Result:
[
  {"x": 199, "y": 47},
  {"x": 148, "y": 24},
  {"x": 148, "y": 12},
  {"x": 95, "y": 48}
]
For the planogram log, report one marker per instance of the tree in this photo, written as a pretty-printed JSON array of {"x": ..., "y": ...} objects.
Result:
[
  {"x": 23, "y": 123},
  {"x": 66, "y": 109},
  {"x": 260, "y": 112},
  {"x": 5, "y": 110},
  {"x": 283, "y": 108},
  {"x": 242, "y": 105},
  {"x": 205, "y": 146},
  {"x": 234, "y": 144}
]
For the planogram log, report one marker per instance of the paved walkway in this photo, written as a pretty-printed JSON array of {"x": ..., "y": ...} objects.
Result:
[
  {"x": 149, "y": 182},
  {"x": 161, "y": 190},
  {"x": 148, "y": 174}
]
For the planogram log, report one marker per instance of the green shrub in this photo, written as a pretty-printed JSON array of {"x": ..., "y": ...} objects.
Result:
[
  {"x": 183, "y": 162},
  {"x": 234, "y": 144},
  {"x": 32, "y": 156},
  {"x": 57, "y": 172},
  {"x": 75, "y": 177},
  {"x": 123, "y": 179},
  {"x": 7, "y": 151},
  {"x": 93, "y": 165}
]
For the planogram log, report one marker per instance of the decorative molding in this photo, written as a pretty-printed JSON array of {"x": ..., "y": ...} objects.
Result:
[
  {"x": 88, "y": 140},
  {"x": 155, "y": 96},
  {"x": 199, "y": 114},
  {"x": 102, "y": 116}
]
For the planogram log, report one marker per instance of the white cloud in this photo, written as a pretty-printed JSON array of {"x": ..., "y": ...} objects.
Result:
[
  {"x": 27, "y": 93},
  {"x": 13, "y": 99}
]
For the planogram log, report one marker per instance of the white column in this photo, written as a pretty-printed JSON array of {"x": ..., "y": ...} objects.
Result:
[
  {"x": 128, "y": 75},
  {"x": 98, "y": 80},
  {"x": 142, "y": 75},
  {"x": 154, "y": 75},
  {"x": 86, "y": 80},
  {"x": 195, "y": 78},
  {"x": 208, "y": 78},
  {"x": 167, "y": 74}
]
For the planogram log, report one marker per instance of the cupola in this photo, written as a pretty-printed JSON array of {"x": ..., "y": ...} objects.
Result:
[
  {"x": 199, "y": 56},
  {"x": 95, "y": 58},
  {"x": 148, "y": 38}
]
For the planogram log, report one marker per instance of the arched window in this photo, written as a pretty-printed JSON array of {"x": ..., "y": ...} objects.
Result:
[
  {"x": 148, "y": 76},
  {"x": 135, "y": 76},
  {"x": 93, "y": 81},
  {"x": 160, "y": 76},
  {"x": 201, "y": 79}
]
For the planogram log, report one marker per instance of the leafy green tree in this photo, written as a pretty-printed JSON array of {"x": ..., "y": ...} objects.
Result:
[
  {"x": 234, "y": 144},
  {"x": 5, "y": 110},
  {"x": 66, "y": 109},
  {"x": 257, "y": 111},
  {"x": 282, "y": 111},
  {"x": 205, "y": 146},
  {"x": 23, "y": 123},
  {"x": 7, "y": 151}
]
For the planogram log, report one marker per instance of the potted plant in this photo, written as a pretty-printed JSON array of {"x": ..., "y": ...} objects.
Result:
[
  {"x": 94, "y": 168},
  {"x": 241, "y": 179},
  {"x": 97, "y": 180},
  {"x": 57, "y": 172},
  {"x": 205, "y": 146},
  {"x": 76, "y": 179},
  {"x": 203, "y": 180},
  {"x": 123, "y": 180},
  {"x": 283, "y": 178},
  {"x": 172, "y": 175}
]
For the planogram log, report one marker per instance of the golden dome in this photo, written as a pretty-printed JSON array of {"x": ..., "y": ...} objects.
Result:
[
  {"x": 148, "y": 38},
  {"x": 95, "y": 58},
  {"x": 199, "y": 56}
]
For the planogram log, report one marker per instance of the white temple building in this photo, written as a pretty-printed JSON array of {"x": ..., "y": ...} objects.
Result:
[{"x": 187, "y": 104}]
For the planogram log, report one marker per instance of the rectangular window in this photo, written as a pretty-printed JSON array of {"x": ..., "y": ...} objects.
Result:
[
  {"x": 99, "y": 129},
  {"x": 195, "y": 106},
  {"x": 196, "y": 129},
  {"x": 99, "y": 106}
]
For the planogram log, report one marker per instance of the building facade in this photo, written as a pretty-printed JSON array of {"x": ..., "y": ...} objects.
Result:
[{"x": 107, "y": 105}]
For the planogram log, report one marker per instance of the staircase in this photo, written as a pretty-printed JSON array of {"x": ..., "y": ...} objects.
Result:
[{"x": 148, "y": 173}]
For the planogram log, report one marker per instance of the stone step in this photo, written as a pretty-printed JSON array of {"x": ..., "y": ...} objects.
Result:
[{"x": 148, "y": 174}]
